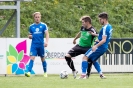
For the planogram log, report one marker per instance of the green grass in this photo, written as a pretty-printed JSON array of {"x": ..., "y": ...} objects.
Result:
[{"x": 53, "y": 81}]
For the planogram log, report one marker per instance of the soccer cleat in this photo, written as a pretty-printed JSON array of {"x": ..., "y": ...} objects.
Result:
[
  {"x": 102, "y": 76},
  {"x": 87, "y": 76},
  {"x": 74, "y": 74},
  {"x": 27, "y": 74},
  {"x": 45, "y": 75},
  {"x": 82, "y": 77}
]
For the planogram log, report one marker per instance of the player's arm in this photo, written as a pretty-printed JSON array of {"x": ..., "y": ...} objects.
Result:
[
  {"x": 30, "y": 33},
  {"x": 30, "y": 36},
  {"x": 93, "y": 32},
  {"x": 47, "y": 36},
  {"x": 102, "y": 41},
  {"x": 104, "y": 37},
  {"x": 76, "y": 37}
]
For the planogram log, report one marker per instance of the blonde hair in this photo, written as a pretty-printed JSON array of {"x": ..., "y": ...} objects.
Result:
[{"x": 36, "y": 13}]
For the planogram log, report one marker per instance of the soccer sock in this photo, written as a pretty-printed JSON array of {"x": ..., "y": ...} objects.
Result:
[
  {"x": 44, "y": 64},
  {"x": 97, "y": 67},
  {"x": 84, "y": 66},
  {"x": 30, "y": 65},
  {"x": 70, "y": 63},
  {"x": 89, "y": 68}
]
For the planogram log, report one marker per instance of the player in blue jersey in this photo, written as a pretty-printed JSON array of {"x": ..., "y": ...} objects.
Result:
[
  {"x": 36, "y": 32},
  {"x": 100, "y": 47}
]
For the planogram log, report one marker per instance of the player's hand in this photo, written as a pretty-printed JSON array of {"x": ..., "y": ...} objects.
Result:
[
  {"x": 92, "y": 33},
  {"x": 94, "y": 48},
  {"x": 97, "y": 40},
  {"x": 30, "y": 36},
  {"x": 74, "y": 41},
  {"x": 45, "y": 44}
]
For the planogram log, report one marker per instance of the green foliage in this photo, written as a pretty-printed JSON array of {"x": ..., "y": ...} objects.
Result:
[{"x": 62, "y": 16}]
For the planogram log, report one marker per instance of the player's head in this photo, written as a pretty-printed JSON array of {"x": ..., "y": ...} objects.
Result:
[
  {"x": 86, "y": 20},
  {"x": 103, "y": 18},
  {"x": 37, "y": 17}
]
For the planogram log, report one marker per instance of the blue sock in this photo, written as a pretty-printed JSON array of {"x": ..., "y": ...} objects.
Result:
[
  {"x": 44, "y": 64},
  {"x": 84, "y": 67},
  {"x": 30, "y": 65},
  {"x": 97, "y": 67}
]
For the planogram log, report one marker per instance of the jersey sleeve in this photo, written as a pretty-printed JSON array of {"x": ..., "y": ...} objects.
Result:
[
  {"x": 45, "y": 27},
  {"x": 93, "y": 30},
  {"x": 105, "y": 30},
  {"x": 109, "y": 31}
]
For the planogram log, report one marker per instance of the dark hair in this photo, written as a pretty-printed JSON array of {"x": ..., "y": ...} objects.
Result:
[
  {"x": 86, "y": 19},
  {"x": 103, "y": 15}
]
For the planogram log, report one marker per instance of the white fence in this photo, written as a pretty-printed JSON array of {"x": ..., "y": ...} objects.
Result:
[{"x": 14, "y": 57}]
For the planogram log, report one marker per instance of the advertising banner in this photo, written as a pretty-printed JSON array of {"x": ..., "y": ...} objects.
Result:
[{"x": 14, "y": 56}]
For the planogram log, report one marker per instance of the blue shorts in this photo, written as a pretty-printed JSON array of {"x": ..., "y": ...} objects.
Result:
[
  {"x": 93, "y": 56},
  {"x": 37, "y": 50}
]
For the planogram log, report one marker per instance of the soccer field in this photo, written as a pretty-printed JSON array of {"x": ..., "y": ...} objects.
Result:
[{"x": 54, "y": 81}]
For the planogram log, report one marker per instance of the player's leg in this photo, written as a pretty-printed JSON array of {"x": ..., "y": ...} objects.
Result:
[
  {"x": 32, "y": 58},
  {"x": 98, "y": 68},
  {"x": 84, "y": 64},
  {"x": 33, "y": 53},
  {"x": 84, "y": 50},
  {"x": 72, "y": 53},
  {"x": 41, "y": 53},
  {"x": 69, "y": 61},
  {"x": 44, "y": 64},
  {"x": 89, "y": 68},
  {"x": 84, "y": 67},
  {"x": 94, "y": 56}
]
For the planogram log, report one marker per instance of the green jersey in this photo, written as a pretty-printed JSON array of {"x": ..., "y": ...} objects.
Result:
[{"x": 86, "y": 39}]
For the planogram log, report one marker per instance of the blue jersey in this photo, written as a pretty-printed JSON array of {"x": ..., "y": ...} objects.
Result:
[
  {"x": 37, "y": 31},
  {"x": 105, "y": 31}
]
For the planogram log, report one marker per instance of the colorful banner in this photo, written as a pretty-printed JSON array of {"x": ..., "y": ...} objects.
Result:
[
  {"x": 14, "y": 56},
  {"x": 17, "y": 56}
]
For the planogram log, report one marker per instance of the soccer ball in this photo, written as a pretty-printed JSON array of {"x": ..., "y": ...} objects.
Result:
[{"x": 64, "y": 74}]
